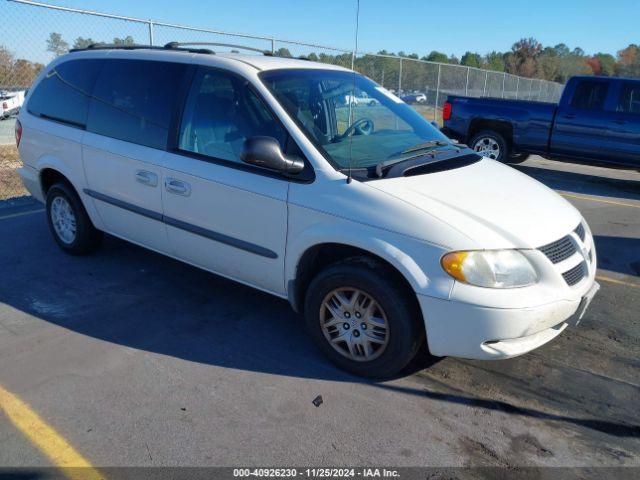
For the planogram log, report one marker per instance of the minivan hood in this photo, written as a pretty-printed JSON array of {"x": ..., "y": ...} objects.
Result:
[{"x": 492, "y": 204}]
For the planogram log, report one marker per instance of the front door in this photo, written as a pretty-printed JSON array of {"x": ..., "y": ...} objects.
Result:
[
  {"x": 581, "y": 126},
  {"x": 221, "y": 214}
]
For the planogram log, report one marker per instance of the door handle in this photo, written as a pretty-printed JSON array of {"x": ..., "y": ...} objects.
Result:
[
  {"x": 177, "y": 187},
  {"x": 147, "y": 178}
]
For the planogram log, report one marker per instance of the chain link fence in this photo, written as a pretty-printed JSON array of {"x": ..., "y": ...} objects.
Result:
[{"x": 34, "y": 33}]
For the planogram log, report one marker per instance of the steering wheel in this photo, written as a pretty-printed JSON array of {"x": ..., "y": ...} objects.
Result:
[{"x": 362, "y": 126}]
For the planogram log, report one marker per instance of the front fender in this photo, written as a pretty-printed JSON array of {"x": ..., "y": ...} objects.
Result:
[{"x": 417, "y": 261}]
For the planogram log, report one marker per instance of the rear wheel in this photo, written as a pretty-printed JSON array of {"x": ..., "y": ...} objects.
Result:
[
  {"x": 69, "y": 222},
  {"x": 361, "y": 320},
  {"x": 490, "y": 144}
]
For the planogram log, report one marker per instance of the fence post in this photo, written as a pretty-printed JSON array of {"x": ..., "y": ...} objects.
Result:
[
  {"x": 504, "y": 79},
  {"x": 150, "y": 32},
  {"x": 530, "y": 85},
  {"x": 517, "y": 86},
  {"x": 540, "y": 91},
  {"x": 435, "y": 107},
  {"x": 466, "y": 86},
  {"x": 400, "y": 78},
  {"x": 273, "y": 46},
  {"x": 484, "y": 89}
]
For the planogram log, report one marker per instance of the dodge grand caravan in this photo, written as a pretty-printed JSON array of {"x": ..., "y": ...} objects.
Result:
[{"x": 374, "y": 225}]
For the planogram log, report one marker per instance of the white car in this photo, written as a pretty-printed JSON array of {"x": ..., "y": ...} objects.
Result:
[
  {"x": 10, "y": 103},
  {"x": 382, "y": 232},
  {"x": 360, "y": 100}
]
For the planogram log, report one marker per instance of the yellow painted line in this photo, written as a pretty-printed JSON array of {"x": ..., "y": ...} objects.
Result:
[
  {"x": 21, "y": 214},
  {"x": 617, "y": 282},
  {"x": 46, "y": 439},
  {"x": 597, "y": 199}
]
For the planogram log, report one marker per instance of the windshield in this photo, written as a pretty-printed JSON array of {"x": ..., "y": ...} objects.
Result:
[{"x": 366, "y": 123}]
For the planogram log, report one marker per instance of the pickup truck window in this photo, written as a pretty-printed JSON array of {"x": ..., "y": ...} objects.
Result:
[
  {"x": 629, "y": 101},
  {"x": 590, "y": 95}
]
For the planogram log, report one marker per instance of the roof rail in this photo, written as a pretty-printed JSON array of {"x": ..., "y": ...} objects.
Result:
[
  {"x": 175, "y": 45},
  {"x": 113, "y": 46}
]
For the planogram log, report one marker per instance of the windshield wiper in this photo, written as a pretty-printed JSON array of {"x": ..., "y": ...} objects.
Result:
[
  {"x": 430, "y": 145},
  {"x": 424, "y": 146}
]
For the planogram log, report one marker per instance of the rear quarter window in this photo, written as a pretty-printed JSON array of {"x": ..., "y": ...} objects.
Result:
[
  {"x": 63, "y": 94},
  {"x": 133, "y": 101}
]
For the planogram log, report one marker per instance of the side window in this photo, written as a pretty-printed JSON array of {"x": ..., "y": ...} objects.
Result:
[
  {"x": 590, "y": 95},
  {"x": 629, "y": 101},
  {"x": 133, "y": 100},
  {"x": 63, "y": 94},
  {"x": 221, "y": 113}
]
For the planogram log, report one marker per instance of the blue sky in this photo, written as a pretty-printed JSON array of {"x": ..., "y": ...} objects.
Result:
[{"x": 408, "y": 25}]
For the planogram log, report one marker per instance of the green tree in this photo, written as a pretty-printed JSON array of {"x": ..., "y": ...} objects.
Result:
[
  {"x": 435, "y": 56},
  {"x": 128, "y": 40},
  {"x": 56, "y": 45},
  {"x": 284, "y": 52},
  {"x": 494, "y": 61},
  {"x": 471, "y": 59},
  {"x": 82, "y": 42}
]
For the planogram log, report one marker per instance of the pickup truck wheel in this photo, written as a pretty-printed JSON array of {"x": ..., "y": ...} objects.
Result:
[
  {"x": 491, "y": 145},
  {"x": 517, "y": 158},
  {"x": 69, "y": 222},
  {"x": 361, "y": 320}
]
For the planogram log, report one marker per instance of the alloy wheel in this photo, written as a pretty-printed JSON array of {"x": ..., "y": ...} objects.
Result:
[{"x": 354, "y": 324}]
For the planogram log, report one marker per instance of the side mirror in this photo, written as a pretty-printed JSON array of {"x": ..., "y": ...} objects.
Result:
[{"x": 265, "y": 152}]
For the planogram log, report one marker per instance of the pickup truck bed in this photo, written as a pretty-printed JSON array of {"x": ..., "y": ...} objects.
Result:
[{"x": 597, "y": 120}]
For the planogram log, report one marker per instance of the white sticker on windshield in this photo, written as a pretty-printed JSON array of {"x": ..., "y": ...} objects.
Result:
[{"x": 388, "y": 94}]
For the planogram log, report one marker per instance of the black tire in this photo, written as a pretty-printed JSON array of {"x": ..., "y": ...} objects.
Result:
[
  {"x": 490, "y": 135},
  {"x": 405, "y": 325},
  {"x": 87, "y": 238},
  {"x": 372, "y": 103},
  {"x": 517, "y": 158}
]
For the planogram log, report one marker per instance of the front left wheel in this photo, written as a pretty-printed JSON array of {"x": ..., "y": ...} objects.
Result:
[
  {"x": 362, "y": 320},
  {"x": 69, "y": 222}
]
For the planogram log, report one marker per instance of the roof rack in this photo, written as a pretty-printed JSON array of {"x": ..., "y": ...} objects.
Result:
[
  {"x": 177, "y": 45},
  {"x": 173, "y": 46},
  {"x": 113, "y": 46}
]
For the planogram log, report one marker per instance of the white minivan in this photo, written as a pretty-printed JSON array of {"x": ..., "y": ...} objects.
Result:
[{"x": 373, "y": 224}]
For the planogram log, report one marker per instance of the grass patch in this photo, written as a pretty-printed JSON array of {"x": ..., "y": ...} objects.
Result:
[{"x": 10, "y": 183}]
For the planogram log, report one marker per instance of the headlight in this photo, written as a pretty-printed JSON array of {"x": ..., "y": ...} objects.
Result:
[{"x": 490, "y": 268}]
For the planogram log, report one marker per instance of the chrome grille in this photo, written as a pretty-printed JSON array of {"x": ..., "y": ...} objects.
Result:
[
  {"x": 559, "y": 250},
  {"x": 574, "y": 275},
  {"x": 580, "y": 232}
]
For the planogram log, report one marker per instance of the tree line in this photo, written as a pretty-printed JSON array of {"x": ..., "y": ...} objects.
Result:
[{"x": 527, "y": 58}]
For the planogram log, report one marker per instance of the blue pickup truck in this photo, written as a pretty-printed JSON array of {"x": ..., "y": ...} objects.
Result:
[{"x": 597, "y": 121}]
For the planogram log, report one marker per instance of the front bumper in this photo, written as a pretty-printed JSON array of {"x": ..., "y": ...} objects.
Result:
[{"x": 470, "y": 331}]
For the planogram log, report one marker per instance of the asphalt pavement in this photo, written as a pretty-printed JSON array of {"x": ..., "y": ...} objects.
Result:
[{"x": 135, "y": 359}]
